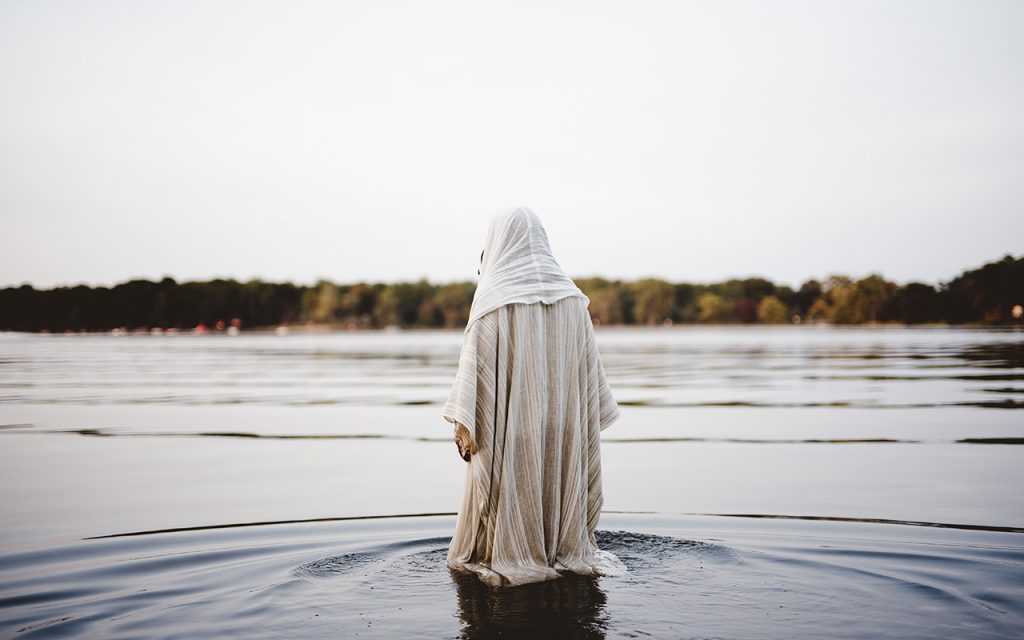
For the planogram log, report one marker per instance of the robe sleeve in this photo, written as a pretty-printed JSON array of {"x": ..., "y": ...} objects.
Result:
[
  {"x": 462, "y": 399},
  {"x": 609, "y": 407}
]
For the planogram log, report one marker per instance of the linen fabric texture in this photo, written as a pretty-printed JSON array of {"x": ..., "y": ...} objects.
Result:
[
  {"x": 532, "y": 392},
  {"x": 518, "y": 266}
]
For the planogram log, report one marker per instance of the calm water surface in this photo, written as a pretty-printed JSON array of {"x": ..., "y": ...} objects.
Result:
[{"x": 762, "y": 482}]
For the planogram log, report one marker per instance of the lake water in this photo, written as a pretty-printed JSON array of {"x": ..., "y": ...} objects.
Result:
[{"x": 804, "y": 481}]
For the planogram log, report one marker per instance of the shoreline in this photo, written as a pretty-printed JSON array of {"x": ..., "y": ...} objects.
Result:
[{"x": 299, "y": 328}]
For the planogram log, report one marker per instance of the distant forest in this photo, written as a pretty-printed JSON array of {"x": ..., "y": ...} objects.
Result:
[{"x": 991, "y": 294}]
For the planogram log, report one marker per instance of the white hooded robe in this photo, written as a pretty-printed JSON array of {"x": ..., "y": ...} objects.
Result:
[{"x": 531, "y": 390}]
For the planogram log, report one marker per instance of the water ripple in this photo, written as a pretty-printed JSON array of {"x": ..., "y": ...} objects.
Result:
[{"x": 688, "y": 576}]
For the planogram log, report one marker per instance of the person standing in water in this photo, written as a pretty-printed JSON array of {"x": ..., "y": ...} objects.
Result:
[{"x": 528, "y": 405}]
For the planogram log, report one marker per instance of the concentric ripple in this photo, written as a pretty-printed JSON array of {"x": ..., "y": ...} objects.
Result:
[{"x": 689, "y": 576}]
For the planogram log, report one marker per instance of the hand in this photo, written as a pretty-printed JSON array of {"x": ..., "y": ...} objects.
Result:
[{"x": 462, "y": 441}]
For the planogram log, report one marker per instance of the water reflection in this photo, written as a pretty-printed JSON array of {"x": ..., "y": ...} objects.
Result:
[
  {"x": 572, "y": 606},
  {"x": 999, "y": 355}
]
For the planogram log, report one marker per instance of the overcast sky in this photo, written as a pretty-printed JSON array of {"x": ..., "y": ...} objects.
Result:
[{"x": 372, "y": 141}]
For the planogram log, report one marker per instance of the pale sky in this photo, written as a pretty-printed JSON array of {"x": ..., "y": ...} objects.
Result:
[{"x": 372, "y": 141}]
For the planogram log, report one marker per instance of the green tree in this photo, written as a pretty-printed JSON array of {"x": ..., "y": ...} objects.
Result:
[
  {"x": 606, "y": 305},
  {"x": 453, "y": 301},
  {"x": 322, "y": 302},
  {"x": 771, "y": 310},
  {"x": 653, "y": 300},
  {"x": 611, "y": 301},
  {"x": 986, "y": 294},
  {"x": 714, "y": 308},
  {"x": 806, "y": 296},
  {"x": 685, "y": 302},
  {"x": 871, "y": 299},
  {"x": 358, "y": 302},
  {"x": 386, "y": 311},
  {"x": 917, "y": 303}
]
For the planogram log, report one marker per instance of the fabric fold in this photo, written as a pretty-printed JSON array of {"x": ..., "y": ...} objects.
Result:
[
  {"x": 531, "y": 389},
  {"x": 518, "y": 265}
]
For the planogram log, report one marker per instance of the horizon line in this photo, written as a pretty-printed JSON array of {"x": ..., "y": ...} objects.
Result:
[{"x": 423, "y": 278}]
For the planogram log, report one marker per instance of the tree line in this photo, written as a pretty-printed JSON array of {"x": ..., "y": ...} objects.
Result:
[{"x": 990, "y": 294}]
